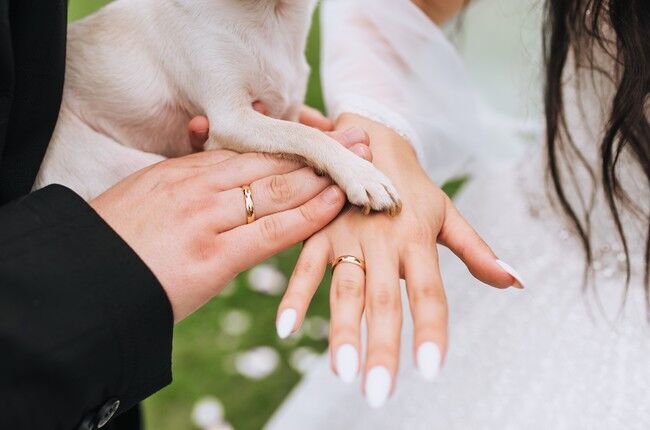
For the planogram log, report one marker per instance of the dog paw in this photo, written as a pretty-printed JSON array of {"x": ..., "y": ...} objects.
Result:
[{"x": 370, "y": 189}]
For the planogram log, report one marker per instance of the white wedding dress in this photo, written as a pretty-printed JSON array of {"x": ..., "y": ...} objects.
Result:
[{"x": 553, "y": 356}]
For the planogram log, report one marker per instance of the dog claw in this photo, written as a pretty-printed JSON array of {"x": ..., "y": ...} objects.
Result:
[
  {"x": 393, "y": 211},
  {"x": 369, "y": 189}
]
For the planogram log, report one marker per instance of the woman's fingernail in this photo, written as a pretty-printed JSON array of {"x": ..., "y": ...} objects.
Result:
[
  {"x": 355, "y": 135},
  {"x": 361, "y": 150},
  {"x": 286, "y": 322},
  {"x": 378, "y": 383},
  {"x": 332, "y": 195},
  {"x": 428, "y": 360},
  {"x": 347, "y": 363},
  {"x": 519, "y": 283}
]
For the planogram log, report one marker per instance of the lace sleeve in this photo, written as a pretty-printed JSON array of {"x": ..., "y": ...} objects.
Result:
[{"x": 385, "y": 60}]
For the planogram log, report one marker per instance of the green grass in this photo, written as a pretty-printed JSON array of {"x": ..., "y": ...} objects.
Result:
[
  {"x": 80, "y": 8},
  {"x": 203, "y": 354}
]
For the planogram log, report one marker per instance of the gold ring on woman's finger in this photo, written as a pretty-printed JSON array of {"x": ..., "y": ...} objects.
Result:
[{"x": 350, "y": 259}]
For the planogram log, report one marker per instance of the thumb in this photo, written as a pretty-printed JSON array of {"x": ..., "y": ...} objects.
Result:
[
  {"x": 313, "y": 118},
  {"x": 356, "y": 140},
  {"x": 198, "y": 130},
  {"x": 457, "y": 235}
]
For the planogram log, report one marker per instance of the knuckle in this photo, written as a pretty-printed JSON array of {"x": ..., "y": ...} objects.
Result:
[
  {"x": 343, "y": 331},
  {"x": 306, "y": 269},
  {"x": 295, "y": 298},
  {"x": 384, "y": 298},
  {"x": 280, "y": 189},
  {"x": 271, "y": 229},
  {"x": 348, "y": 287},
  {"x": 270, "y": 159},
  {"x": 171, "y": 174},
  {"x": 431, "y": 318},
  {"x": 425, "y": 293},
  {"x": 165, "y": 164},
  {"x": 463, "y": 249},
  {"x": 439, "y": 308},
  {"x": 307, "y": 212},
  {"x": 383, "y": 351},
  {"x": 169, "y": 191},
  {"x": 196, "y": 206},
  {"x": 383, "y": 226},
  {"x": 159, "y": 171},
  {"x": 418, "y": 229},
  {"x": 422, "y": 232},
  {"x": 202, "y": 250}
]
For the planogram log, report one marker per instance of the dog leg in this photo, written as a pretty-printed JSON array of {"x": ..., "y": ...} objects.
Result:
[
  {"x": 248, "y": 131},
  {"x": 87, "y": 161}
]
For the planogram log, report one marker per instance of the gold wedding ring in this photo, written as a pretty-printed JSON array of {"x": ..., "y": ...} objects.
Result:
[
  {"x": 250, "y": 206},
  {"x": 351, "y": 259}
]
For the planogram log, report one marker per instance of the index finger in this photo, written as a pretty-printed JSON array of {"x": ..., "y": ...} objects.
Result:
[
  {"x": 246, "y": 168},
  {"x": 313, "y": 118},
  {"x": 204, "y": 159},
  {"x": 457, "y": 235},
  {"x": 243, "y": 169}
]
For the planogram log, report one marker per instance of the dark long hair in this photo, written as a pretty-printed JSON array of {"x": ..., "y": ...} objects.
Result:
[{"x": 619, "y": 30}]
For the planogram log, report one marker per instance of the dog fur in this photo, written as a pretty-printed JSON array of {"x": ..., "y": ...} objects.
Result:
[{"x": 138, "y": 70}]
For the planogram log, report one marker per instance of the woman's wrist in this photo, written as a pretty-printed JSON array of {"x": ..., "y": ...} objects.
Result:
[{"x": 391, "y": 153}]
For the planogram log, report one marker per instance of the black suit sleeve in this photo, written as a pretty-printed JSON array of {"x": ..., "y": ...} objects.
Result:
[{"x": 82, "y": 319}]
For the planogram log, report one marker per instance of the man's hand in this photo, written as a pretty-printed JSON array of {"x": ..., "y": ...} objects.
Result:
[{"x": 186, "y": 217}]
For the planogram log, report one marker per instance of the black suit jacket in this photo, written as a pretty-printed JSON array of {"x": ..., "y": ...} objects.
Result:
[{"x": 85, "y": 327}]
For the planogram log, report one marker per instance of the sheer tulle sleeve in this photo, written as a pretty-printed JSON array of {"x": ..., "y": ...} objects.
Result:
[{"x": 385, "y": 60}]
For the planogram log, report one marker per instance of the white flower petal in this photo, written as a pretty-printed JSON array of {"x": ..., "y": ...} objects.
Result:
[
  {"x": 267, "y": 279},
  {"x": 207, "y": 412},
  {"x": 317, "y": 328},
  {"x": 303, "y": 359},
  {"x": 236, "y": 322},
  {"x": 258, "y": 363}
]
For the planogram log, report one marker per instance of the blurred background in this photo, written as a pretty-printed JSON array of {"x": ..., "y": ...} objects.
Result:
[{"x": 228, "y": 364}]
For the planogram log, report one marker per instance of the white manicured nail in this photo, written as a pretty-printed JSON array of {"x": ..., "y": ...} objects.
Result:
[
  {"x": 378, "y": 384},
  {"x": 347, "y": 363},
  {"x": 286, "y": 322},
  {"x": 428, "y": 359},
  {"x": 519, "y": 283}
]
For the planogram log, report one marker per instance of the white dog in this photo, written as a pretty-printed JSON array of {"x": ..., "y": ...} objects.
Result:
[{"x": 138, "y": 70}]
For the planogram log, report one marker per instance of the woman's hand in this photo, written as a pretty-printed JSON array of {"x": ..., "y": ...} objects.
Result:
[
  {"x": 393, "y": 248},
  {"x": 186, "y": 217}
]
